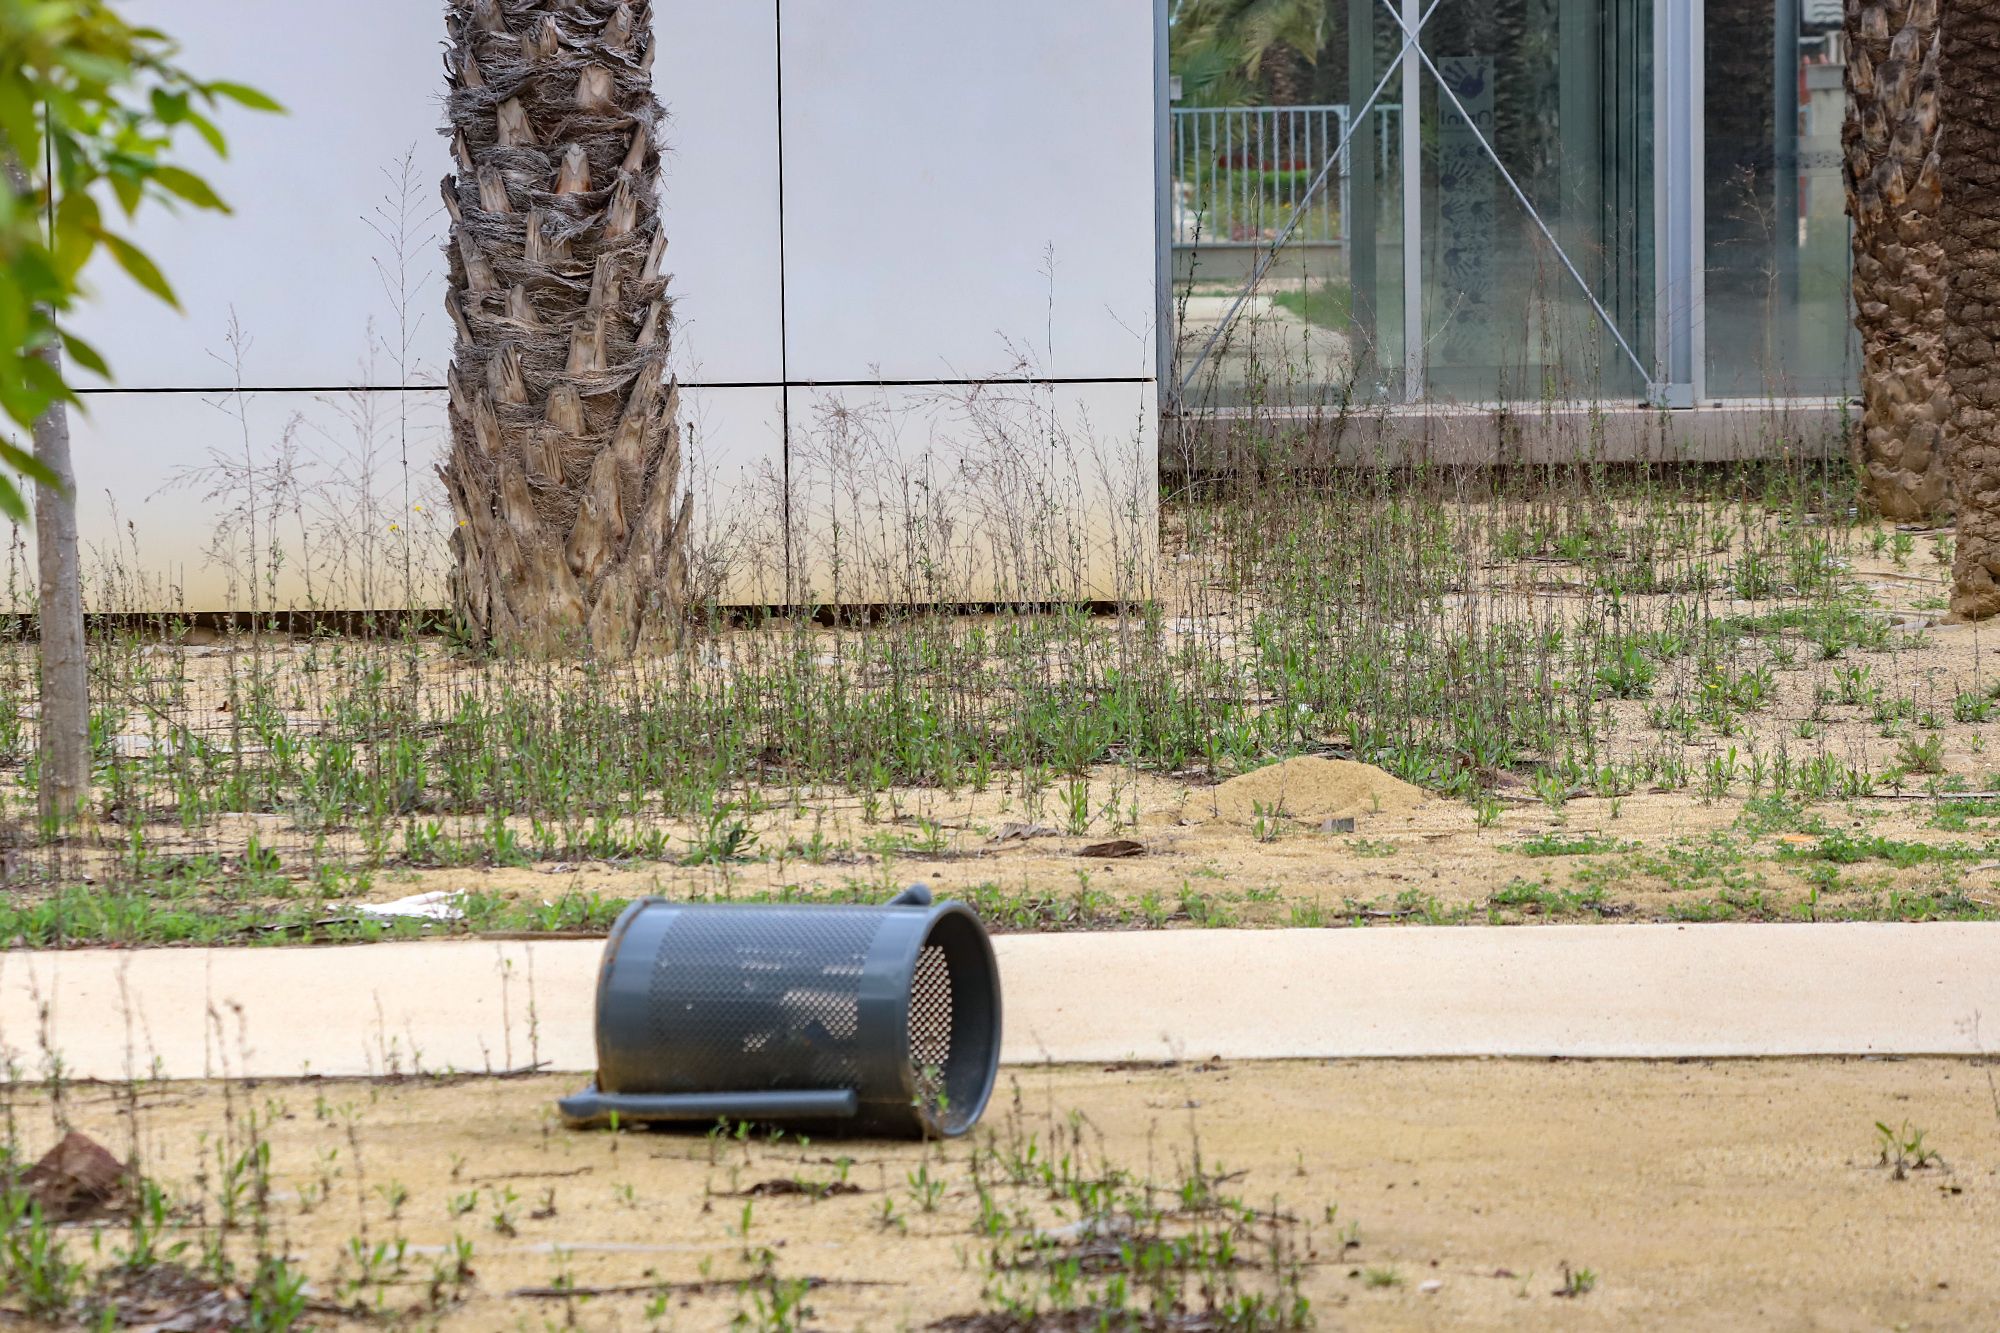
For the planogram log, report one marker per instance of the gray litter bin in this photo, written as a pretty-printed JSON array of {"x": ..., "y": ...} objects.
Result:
[{"x": 873, "y": 1020}]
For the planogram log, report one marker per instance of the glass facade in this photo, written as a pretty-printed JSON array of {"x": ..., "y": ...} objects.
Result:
[
  {"x": 1775, "y": 213},
  {"x": 1562, "y": 91},
  {"x": 1518, "y": 258}
]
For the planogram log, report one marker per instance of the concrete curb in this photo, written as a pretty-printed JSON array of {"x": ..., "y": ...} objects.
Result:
[{"x": 1644, "y": 991}]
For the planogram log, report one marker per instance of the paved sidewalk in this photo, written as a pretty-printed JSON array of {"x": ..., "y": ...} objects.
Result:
[{"x": 1577, "y": 991}]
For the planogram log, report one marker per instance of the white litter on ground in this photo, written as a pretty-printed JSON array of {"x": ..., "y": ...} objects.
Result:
[{"x": 442, "y": 905}]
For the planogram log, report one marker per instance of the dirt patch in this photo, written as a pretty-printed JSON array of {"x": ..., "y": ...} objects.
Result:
[
  {"x": 75, "y": 1179},
  {"x": 1311, "y": 789},
  {"x": 1417, "y": 1195}
]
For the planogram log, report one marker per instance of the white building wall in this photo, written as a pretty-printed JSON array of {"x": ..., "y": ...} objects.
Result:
[{"x": 914, "y": 265}]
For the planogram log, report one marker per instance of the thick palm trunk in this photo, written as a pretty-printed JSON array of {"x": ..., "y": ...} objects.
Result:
[
  {"x": 1970, "y": 221},
  {"x": 1286, "y": 77},
  {"x": 565, "y": 462},
  {"x": 1893, "y": 169}
]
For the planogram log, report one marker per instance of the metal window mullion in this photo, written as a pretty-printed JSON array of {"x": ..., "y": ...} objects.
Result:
[
  {"x": 1346, "y": 229},
  {"x": 1166, "y": 225},
  {"x": 1678, "y": 203},
  {"x": 1178, "y": 151},
  {"x": 1413, "y": 251},
  {"x": 1785, "y": 183}
]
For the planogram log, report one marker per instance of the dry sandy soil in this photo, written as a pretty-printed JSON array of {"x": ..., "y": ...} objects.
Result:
[
  {"x": 1695, "y": 1195},
  {"x": 1700, "y": 859}
]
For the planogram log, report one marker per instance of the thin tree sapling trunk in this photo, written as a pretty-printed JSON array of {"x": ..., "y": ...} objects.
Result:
[{"x": 65, "y": 692}]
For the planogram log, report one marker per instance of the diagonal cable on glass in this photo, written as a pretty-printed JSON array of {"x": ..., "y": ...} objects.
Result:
[
  {"x": 1355, "y": 119},
  {"x": 1534, "y": 216},
  {"x": 1413, "y": 43}
]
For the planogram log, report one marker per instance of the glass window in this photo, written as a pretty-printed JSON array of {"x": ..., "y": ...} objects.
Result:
[
  {"x": 1562, "y": 90},
  {"x": 1775, "y": 221},
  {"x": 1324, "y": 327}
]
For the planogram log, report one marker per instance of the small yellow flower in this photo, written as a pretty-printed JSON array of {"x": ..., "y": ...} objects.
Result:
[
  {"x": 395, "y": 527},
  {"x": 418, "y": 508}
]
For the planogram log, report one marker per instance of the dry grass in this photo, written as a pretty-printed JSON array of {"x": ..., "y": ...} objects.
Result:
[{"x": 1685, "y": 680}]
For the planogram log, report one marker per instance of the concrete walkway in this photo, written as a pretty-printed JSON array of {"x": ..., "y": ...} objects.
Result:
[{"x": 1577, "y": 991}]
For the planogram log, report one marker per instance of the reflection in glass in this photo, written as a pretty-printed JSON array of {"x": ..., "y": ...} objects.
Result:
[
  {"x": 1562, "y": 91},
  {"x": 1775, "y": 222},
  {"x": 1241, "y": 153}
]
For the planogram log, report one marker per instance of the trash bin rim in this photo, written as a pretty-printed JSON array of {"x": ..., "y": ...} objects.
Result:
[{"x": 934, "y": 914}]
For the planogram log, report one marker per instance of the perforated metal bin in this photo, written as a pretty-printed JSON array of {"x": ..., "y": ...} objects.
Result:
[{"x": 875, "y": 1020}]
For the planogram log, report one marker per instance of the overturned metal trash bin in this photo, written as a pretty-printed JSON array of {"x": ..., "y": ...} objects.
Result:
[{"x": 872, "y": 1020}]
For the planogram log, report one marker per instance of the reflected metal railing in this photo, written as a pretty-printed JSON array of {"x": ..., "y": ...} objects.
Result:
[{"x": 1240, "y": 173}]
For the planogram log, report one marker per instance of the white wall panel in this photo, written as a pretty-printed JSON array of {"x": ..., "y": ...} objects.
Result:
[
  {"x": 717, "y": 75},
  {"x": 168, "y": 485},
  {"x": 975, "y": 493},
  {"x": 734, "y": 443},
  {"x": 297, "y": 262},
  {"x": 935, "y": 155},
  {"x": 183, "y": 499},
  {"x": 935, "y": 159},
  {"x": 300, "y": 263}
]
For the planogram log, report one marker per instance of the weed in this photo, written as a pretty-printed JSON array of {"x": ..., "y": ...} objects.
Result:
[
  {"x": 1925, "y": 755},
  {"x": 35, "y": 1263},
  {"x": 925, "y": 1190},
  {"x": 1578, "y": 844},
  {"x": 1903, "y": 1149}
]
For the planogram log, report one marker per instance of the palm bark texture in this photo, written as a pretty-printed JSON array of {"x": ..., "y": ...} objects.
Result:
[
  {"x": 1893, "y": 189},
  {"x": 565, "y": 461}
]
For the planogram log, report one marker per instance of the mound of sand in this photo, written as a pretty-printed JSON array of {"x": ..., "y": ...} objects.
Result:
[{"x": 1312, "y": 789}]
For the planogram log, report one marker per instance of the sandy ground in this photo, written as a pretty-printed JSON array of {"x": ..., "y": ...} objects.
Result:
[
  {"x": 1434, "y": 861},
  {"x": 1265, "y": 342},
  {"x": 1746, "y": 1195}
]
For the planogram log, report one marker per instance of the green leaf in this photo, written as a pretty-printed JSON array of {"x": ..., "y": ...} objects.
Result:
[
  {"x": 244, "y": 95},
  {"x": 143, "y": 270},
  {"x": 26, "y": 464},
  {"x": 187, "y": 185},
  {"x": 212, "y": 136},
  {"x": 18, "y": 120},
  {"x": 27, "y": 392},
  {"x": 78, "y": 223},
  {"x": 129, "y": 191},
  {"x": 11, "y": 504},
  {"x": 85, "y": 355},
  {"x": 16, "y": 399}
]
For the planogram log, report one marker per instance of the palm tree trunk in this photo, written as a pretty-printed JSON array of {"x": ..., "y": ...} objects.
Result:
[
  {"x": 1286, "y": 76},
  {"x": 565, "y": 463},
  {"x": 1893, "y": 182},
  {"x": 1970, "y": 223}
]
